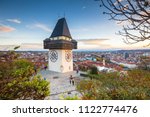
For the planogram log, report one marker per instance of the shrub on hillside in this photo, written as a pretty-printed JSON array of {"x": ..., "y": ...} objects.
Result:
[{"x": 135, "y": 86}]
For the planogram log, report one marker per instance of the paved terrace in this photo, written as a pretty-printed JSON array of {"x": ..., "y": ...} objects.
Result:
[{"x": 60, "y": 84}]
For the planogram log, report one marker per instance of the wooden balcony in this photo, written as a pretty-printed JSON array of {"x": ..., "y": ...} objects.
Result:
[{"x": 60, "y": 44}]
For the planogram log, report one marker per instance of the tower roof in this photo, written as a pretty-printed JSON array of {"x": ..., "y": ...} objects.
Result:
[{"x": 61, "y": 29}]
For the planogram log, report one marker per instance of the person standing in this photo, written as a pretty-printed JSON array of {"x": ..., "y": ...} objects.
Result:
[
  {"x": 77, "y": 71},
  {"x": 70, "y": 78},
  {"x": 45, "y": 67},
  {"x": 73, "y": 81}
]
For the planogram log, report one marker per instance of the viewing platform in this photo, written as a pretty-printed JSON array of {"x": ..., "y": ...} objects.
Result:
[{"x": 60, "y": 84}]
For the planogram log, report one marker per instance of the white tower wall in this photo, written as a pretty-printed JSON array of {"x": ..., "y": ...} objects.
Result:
[{"x": 62, "y": 64}]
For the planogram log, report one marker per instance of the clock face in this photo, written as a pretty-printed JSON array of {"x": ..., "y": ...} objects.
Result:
[
  {"x": 68, "y": 55},
  {"x": 53, "y": 55}
]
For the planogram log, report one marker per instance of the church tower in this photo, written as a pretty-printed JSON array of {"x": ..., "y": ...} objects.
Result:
[{"x": 60, "y": 45}]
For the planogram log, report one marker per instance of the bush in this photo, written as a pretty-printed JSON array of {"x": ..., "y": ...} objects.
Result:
[
  {"x": 135, "y": 86},
  {"x": 18, "y": 82},
  {"x": 69, "y": 97},
  {"x": 93, "y": 70}
]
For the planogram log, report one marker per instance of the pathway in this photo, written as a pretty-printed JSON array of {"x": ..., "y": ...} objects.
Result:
[{"x": 60, "y": 84}]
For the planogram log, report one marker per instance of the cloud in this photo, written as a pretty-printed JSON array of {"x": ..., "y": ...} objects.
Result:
[
  {"x": 92, "y": 44},
  {"x": 7, "y": 47},
  {"x": 23, "y": 46},
  {"x": 92, "y": 41},
  {"x": 4, "y": 28},
  {"x": 31, "y": 46},
  {"x": 43, "y": 27},
  {"x": 14, "y": 21},
  {"x": 39, "y": 26}
]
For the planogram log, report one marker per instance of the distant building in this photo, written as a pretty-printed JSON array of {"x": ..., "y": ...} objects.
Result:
[
  {"x": 104, "y": 62},
  {"x": 126, "y": 55},
  {"x": 146, "y": 54}
]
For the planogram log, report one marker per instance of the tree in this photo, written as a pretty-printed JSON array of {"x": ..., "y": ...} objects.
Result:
[
  {"x": 93, "y": 70},
  {"x": 18, "y": 82},
  {"x": 144, "y": 63},
  {"x": 133, "y": 15}
]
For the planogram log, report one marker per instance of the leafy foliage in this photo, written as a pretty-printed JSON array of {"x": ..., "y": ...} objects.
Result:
[
  {"x": 93, "y": 70},
  {"x": 145, "y": 63},
  {"x": 18, "y": 82},
  {"x": 88, "y": 89},
  {"x": 135, "y": 86},
  {"x": 75, "y": 97},
  {"x": 34, "y": 89},
  {"x": 103, "y": 75}
]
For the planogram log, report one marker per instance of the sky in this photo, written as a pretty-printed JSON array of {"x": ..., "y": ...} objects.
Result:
[{"x": 28, "y": 22}]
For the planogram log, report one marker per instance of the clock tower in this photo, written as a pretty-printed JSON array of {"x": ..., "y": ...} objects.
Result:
[{"x": 60, "y": 45}]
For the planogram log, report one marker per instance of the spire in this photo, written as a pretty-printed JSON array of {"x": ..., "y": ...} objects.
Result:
[{"x": 61, "y": 29}]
